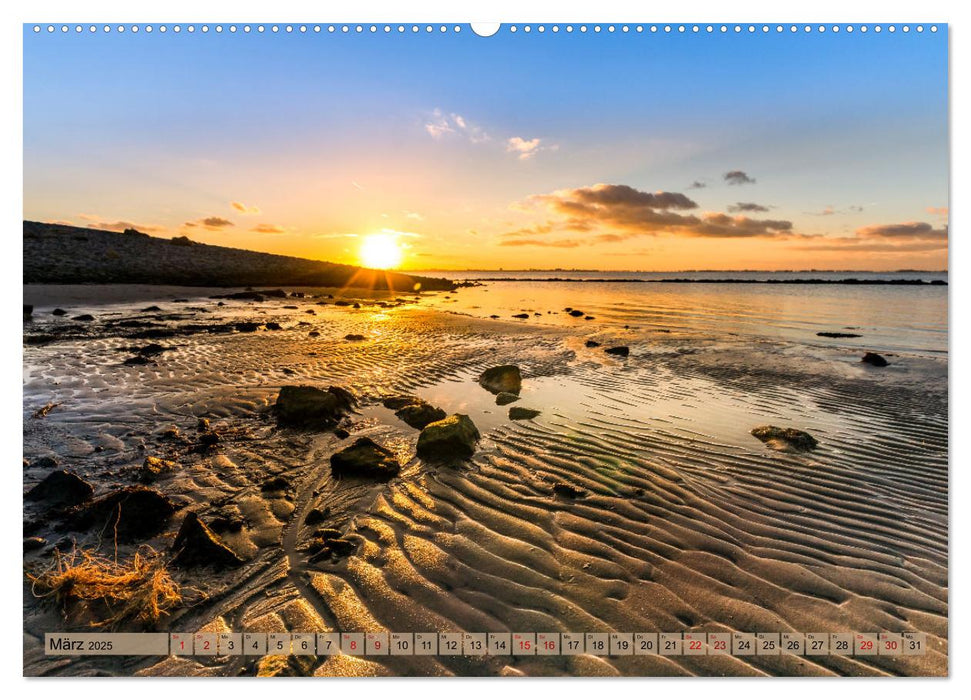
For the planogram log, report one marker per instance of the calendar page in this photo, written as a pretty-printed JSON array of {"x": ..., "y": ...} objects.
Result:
[{"x": 437, "y": 349}]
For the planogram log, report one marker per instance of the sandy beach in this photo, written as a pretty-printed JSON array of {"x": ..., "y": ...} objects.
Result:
[{"x": 637, "y": 499}]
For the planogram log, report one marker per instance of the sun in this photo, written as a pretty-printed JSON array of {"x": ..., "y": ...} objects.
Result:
[{"x": 380, "y": 251}]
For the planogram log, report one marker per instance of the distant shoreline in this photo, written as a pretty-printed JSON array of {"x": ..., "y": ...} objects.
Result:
[{"x": 725, "y": 280}]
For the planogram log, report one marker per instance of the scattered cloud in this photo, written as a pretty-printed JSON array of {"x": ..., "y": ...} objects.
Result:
[
  {"x": 738, "y": 177},
  {"x": 97, "y": 222},
  {"x": 527, "y": 148},
  {"x": 908, "y": 237},
  {"x": 697, "y": 185},
  {"x": 543, "y": 243},
  {"x": 747, "y": 206},
  {"x": 611, "y": 213},
  {"x": 942, "y": 212},
  {"x": 268, "y": 228},
  {"x": 243, "y": 209},
  {"x": 414, "y": 215},
  {"x": 441, "y": 125},
  {"x": 911, "y": 229},
  {"x": 357, "y": 185},
  {"x": 212, "y": 223},
  {"x": 829, "y": 210}
]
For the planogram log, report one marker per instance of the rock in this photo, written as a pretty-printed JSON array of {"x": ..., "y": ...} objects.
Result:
[
  {"x": 589, "y": 318},
  {"x": 59, "y": 312},
  {"x": 568, "y": 490},
  {"x": 310, "y": 407},
  {"x": 84, "y": 317},
  {"x": 502, "y": 378},
  {"x": 47, "y": 462},
  {"x": 197, "y": 544},
  {"x": 592, "y": 344},
  {"x": 576, "y": 313},
  {"x": 28, "y": 311},
  {"x": 785, "y": 439},
  {"x": 134, "y": 512},
  {"x": 837, "y": 334},
  {"x": 341, "y": 433},
  {"x": 154, "y": 467},
  {"x": 522, "y": 413},
  {"x": 396, "y": 402},
  {"x": 275, "y": 484},
  {"x": 872, "y": 358},
  {"x": 228, "y": 518},
  {"x": 247, "y": 326},
  {"x": 62, "y": 488},
  {"x": 138, "y": 360},
  {"x": 520, "y": 316},
  {"x": 505, "y": 397},
  {"x": 202, "y": 424},
  {"x": 273, "y": 326},
  {"x": 149, "y": 309},
  {"x": 314, "y": 334},
  {"x": 365, "y": 457},
  {"x": 620, "y": 351},
  {"x": 32, "y": 544},
  {"x": 354, "y": 336},
  {"x": 451, "y": 437},
  {"x": 315, "y": 516},
  {"x": 171, "y": 433},
  {"x": 420, "y": 414},
  {"x": 209, "y": 438},
  {"x": 152, "y": 349}
]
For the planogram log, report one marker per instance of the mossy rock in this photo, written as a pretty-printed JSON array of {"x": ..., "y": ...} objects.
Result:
[
  {"x": 452, "y": 437},
  {"x": 365, "y": 457},
  {"x": 310, "y": 407},
  {"x": 506, "y": 378}
]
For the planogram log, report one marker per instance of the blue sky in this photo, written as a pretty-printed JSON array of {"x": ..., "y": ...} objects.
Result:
[{"x": 513, "y": 150}]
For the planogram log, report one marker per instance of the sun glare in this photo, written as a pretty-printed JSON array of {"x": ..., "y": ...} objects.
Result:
[{"x": 380, "y": 251}]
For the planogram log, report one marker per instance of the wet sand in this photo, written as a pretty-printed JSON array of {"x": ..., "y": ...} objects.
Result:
[{"x": 687, "y": 522}]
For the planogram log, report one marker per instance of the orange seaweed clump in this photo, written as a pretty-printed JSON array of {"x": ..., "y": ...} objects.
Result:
[{"x": 86, "y": 585}]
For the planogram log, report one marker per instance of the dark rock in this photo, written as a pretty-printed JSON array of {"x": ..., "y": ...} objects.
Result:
[
  {"x": 355, "y": 305},
  {"x": 341, "y": 433},
  {"x": 785, "y": 439},
  {"x": 139, "y": 360},
  {"x": 202, "y": 424},
  {"x": 522, "y": 413},
  {"x": 310, "y": 407},
  {"x": 28, "y": 311},
  {"x": 247, "y": 326},
  {"x": 568, "y": 490},
  {"x": 315, "y": 516},
  {"x": 171, "y": 433},
  {"x": 872, "y": 358},
  {"x": 503, "y": 378},
  {"x": 354, "y": 336},
  {"x": 152, "y": 349},
  {"x": 209, "y": 438},
  {"x": 275, "y": 484},
  {"x": 148, "y": 309},
  {"x": 576, "y": 313},
  {"x": 291, "y": 306},
  {"x": 135, "y": 512},
  {"x": 273, "y": 326},
  {"x": 365, "y": 457},
  {"x": 311, "y": 312},
  {"x": 314, "y": 334},
  {"x": 418, "y": 415},
  {"x": 227, "y": 519},
  {"x": 61, "y": 488},
  {"x": 505, "y": 397},
  {"x": 197, "y": 544},
  {"x": 47, "y": 462},
  {"x": 620, "y": 351},
  {"x": 341, "y": 302},
  {"x": 837, "y": 334},
  {"x": 589, "y": 318},
  {"x": 452, "y": 437},
  {"x": 59, "y": 312},
  {"x": 289, "y": 372},
  {"x": 520, "y": 315},
  {"x": 592, "y": 344},
  {"x": 84, "y": 317}
]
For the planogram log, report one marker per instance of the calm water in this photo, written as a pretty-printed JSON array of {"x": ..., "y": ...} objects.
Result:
[{"x": 888, "y": 318}]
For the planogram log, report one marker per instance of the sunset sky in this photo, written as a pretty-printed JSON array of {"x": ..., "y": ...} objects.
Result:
[{"x": 609, "y": 151}]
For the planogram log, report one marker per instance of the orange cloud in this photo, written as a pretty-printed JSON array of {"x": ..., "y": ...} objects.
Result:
[
  {"x": 244, "y": 209},
  {"x": 268, "y": 228}
]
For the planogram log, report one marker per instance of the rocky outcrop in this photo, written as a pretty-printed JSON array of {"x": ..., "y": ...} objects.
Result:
[
  {"x": 310, "y": 407},
  {"x": 197, "y": 545},
  {"x": 506, "y": 378},
  {"x": 61, "y": 488},
  {"x": 785, "y": 439}
]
